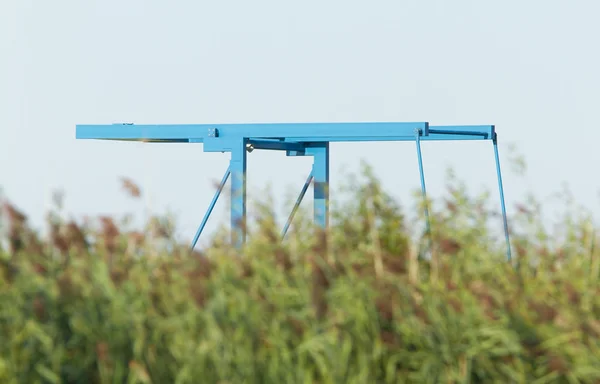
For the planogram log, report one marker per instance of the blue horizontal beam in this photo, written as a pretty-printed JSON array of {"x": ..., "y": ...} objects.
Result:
[
  {"x": 460, "y": 132},
  {"x": 276, "y": 145},
  {"x": 290, "y": 137},
  {"x": 313, "y": 132},
  {"x": 333, "y": 139},
  {"x": 435, "y": 133}
]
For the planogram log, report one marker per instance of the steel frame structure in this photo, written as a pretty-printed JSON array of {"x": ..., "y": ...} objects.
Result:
[{"x": 296, "y": 139}]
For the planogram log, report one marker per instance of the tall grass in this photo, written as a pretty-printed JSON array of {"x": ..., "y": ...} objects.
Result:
[{"x": 371, "y": 300}]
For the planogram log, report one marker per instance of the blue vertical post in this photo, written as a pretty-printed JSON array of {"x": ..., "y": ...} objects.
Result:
[
  {"x": 320, "y": 153},
  {"x": 237, "y": 166}
]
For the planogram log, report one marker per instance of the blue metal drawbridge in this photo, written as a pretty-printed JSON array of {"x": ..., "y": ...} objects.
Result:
[{"x": 296, "y": 139}]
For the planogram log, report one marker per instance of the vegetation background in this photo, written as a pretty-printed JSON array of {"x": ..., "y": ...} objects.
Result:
[{"x": 372, "y": 300}]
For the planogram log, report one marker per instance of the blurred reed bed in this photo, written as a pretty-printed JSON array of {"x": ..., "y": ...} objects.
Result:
[{"x": 372, "y": 300}]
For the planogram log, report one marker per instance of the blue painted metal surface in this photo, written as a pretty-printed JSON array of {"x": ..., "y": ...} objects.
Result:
[
  {"x": 320, "y": 172},
  {"x": 211, "y": 207},
  {"x": 286, "y": 227},
  {"x": 296, "y": 139},
  {"x": 423, "y": 188},
  {"x": 502, "y": 202},
  {"x": 299, "y": 132},
  {"x": 238, "y": 191}
]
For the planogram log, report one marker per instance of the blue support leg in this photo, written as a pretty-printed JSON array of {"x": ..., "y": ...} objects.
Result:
[
  {"x": 210, "y": 208},
  {"x": 320, "y": 153},
  {"x": 502, "y": 203},
  {"x": 237, "y": 166},
  {"x": 297, "y": 205},
  {"x": 423, "y": 189}
]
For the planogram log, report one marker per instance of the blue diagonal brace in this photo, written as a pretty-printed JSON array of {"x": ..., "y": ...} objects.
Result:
[
  {"x": 502, "y": 202},
  {"x": 211, "y": 207},
  {"x": 297, "y": 205},
  {"x": 423, "y": 189}
]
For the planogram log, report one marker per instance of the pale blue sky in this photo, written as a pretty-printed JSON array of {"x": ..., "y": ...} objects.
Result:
[{"x": 530, "y": 67}]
